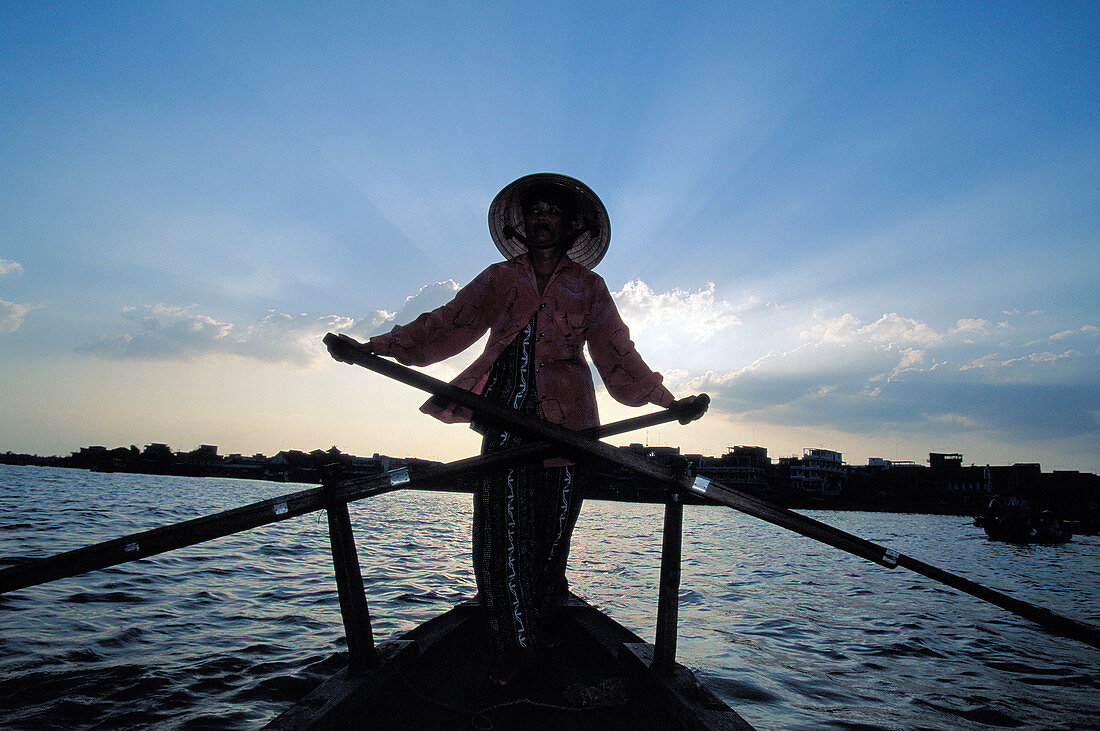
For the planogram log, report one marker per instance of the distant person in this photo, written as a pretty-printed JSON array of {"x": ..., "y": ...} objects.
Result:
[
  {"x": 1017, "y": 519},
  {"x": 1050, "y": 528},
  {"x": 540, "y": 306},
  {"x": 995, "y": 511}
]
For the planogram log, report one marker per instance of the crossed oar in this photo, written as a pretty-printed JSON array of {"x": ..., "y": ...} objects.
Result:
[{"x": 581, "y": 445}]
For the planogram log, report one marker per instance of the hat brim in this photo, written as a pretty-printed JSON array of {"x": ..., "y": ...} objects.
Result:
[{"x": 506, "y": 218}]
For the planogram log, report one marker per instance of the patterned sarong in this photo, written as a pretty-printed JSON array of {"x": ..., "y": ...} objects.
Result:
[{"x": 523, "y": 516}]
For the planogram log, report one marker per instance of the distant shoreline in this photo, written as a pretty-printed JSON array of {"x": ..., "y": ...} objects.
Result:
[{"x": 945, "y": 487}]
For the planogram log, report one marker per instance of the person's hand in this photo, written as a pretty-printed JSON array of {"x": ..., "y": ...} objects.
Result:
[
  {"x": 691, "y": 407},
  {"x": 343, "y": 348}
]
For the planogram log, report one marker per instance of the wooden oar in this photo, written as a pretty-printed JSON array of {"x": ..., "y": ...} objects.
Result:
[
  {"x": 580, "y": 445},
  {"x": 188, "y": 533}
]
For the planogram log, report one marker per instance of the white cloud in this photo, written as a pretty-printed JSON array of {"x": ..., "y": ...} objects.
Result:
[
  {"x": 891, "y": 329},
  {"x": 11, "y": 316},
  {"x": 1086, "y": 330},
  {"x": 808, "y": 370},
  {"x": 8, "y": 266},
  {"x": 837, "y": 330},
  {"x": 293, "y": 339},
  {"x": 1044, "y": 357},
  {"x": 954, "y": 420},
  {"x": 428, "y": 298},
  {"x": 11, "y": 313},
  {"x": 971, "y": 327},
  {"x": 901, "y": 373},
  {"x": 698, "y": 313},
  {"x": 1082, "y": 335},
  {"x": 1041, "y": 368},
  {"x": 164, "y": 332},
  {"x": 909, "y": 358},
  {"x": 167, "y": 332},
  {"x": 894, "y": 329}
]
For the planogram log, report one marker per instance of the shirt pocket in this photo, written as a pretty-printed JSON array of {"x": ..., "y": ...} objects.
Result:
[
  {"x": 576, "y": 321},
  {"x": 567, "y": 352},
  {"x": 550, "y": 409}
]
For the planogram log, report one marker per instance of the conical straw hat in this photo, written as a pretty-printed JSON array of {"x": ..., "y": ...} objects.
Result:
[{"x": 591, "y": 220}]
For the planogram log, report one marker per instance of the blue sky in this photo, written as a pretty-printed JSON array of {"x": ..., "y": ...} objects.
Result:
[{"x": 871, "y": 227}]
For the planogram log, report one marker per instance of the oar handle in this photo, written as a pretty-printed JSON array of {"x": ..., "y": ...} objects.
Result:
[{"x": 691, "y": 408}]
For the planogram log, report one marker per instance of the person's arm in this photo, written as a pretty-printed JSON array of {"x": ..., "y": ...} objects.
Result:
[
  {"x": 627, "y": 377},
  {"x": 433, "y": 336},
  {"x": 443, "y": 332}
]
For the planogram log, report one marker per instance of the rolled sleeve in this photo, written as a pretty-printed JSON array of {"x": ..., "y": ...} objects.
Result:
[
  {"x": 627, "y": 377},
  {"x": 443, "y": 332}
]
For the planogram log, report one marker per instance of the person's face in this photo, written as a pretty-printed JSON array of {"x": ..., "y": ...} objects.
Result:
[{"x": 544, "y": 224}]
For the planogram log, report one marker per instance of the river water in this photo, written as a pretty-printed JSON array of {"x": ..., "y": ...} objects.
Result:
[{"x": 790, "y": 633}]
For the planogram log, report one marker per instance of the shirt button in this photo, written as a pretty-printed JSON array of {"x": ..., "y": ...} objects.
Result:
[{"x": 542, "y": 306}]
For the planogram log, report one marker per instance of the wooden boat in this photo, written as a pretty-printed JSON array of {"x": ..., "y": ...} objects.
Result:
[
  {"x": 1013, "y": 523},
  {"x": 1043, "y": 535},
  {"x": 599, "y": 675}
]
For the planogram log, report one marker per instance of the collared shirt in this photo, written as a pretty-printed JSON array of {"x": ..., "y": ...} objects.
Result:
[{"x": 575, "y": 308}]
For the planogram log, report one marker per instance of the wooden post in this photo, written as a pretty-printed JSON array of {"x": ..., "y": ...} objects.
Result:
[
  {"x": 668, "y": 600},
  {"x": 349, "y": 585}
]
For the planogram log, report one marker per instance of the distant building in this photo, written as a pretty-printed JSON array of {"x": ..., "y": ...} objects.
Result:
[
  {"x": 237, "y": 465},
  {"x": 157, "y": 452},
  {"x": 818, "y": 474},
  {"x": 205, "y": 456},
  {"x": 940, "y": 461},
  {"x": 291, "y": 458},
  {"x": 661, "y": 454},
  {"x": 741, "y": 466}
]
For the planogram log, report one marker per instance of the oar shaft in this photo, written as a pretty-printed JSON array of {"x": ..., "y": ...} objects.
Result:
[
  {"x": 837, "y": 538},
  {"x": 158, "y": 540},
  {"x": 580, "y": 445},
  {"x": 1087, "y": 633}
]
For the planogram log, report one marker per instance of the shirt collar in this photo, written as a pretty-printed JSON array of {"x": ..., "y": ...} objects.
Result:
[{"x": 565, "y": 265}]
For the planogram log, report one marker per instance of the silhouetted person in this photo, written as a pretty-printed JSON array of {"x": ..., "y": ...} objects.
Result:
[{"x": 540, "y": 306}]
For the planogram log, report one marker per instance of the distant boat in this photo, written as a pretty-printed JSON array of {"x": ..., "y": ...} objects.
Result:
[{"x": 1012, "y": 523}]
